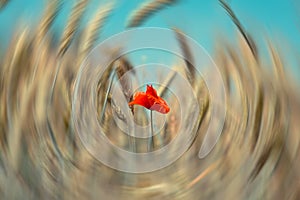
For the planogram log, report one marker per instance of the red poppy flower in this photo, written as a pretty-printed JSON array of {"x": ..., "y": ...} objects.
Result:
[{"x": 150, "y": 100}]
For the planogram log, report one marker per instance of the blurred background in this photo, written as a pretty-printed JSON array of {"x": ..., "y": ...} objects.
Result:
[{"x": 255, "y": 46}]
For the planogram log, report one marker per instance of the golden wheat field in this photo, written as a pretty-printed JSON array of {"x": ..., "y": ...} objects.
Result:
[{"x": 47, "y": 105}]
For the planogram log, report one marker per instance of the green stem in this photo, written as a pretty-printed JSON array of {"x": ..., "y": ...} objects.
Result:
[{"x": 151, "y": 139}]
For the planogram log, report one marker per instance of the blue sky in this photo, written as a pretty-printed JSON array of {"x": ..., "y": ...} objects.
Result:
[{"x": 203, "y": 20}]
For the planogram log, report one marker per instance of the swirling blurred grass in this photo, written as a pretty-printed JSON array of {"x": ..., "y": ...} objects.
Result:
[{"x": 41, "y": 156}]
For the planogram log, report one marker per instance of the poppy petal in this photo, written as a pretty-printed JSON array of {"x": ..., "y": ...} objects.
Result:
[
  {"x": 151, "y": 91},
  {"x": 140, "y": 99},
  {"x": 160, "y": 108}
]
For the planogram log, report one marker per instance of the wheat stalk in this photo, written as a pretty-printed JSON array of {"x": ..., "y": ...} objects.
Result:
[
  {"x": 91, "y": 32},
  {"x": 122, "y": 66},
  {"x": 142, "y": 13},
  {"x": 72, "y": 26},
  {"x": 237, "y": 22},
  {"x": 187, "y": 56},
  {"x": 50, "y": 14}
]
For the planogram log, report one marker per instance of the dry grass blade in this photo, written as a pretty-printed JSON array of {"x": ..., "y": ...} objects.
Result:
[
  {"x": 277, "y": 63},
  {"x": 92, "y": 30},
  {"x": 260, "y": 163},
  {"x": 72, "y": 26},
  {"x": 258, "y": 112},
  {"x": 67, "y": 38},
  {"x": 102, "y": 85},
  {"x": 237, "y": 22},
  {"x": 146, "y": 10},
  {"x": 188, "y": 58}
]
